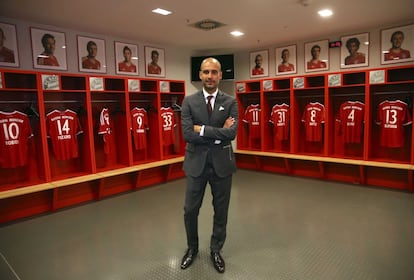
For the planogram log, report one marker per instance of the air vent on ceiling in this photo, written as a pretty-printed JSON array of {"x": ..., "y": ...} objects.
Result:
[{"x": 207, "y": 24}]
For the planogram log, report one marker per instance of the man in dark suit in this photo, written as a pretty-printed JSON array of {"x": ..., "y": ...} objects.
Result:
[{"x": 208, "y": 158}]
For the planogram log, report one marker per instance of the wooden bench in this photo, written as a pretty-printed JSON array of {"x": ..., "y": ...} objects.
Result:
[
  {"x": 356, "y": 171},
  {"x": 86, "y": 178},
  {"x": 329, "y": 159}
]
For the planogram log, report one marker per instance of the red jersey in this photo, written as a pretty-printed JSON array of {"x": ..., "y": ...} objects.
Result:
[
  {"x": 91, "y": 63},
  {"x": 124, "y": 67},
  {"x": 286, "y": 68},
  {"x": 351, "y": 117},
  {"x": 252, "y": 117},
  {"x": 49, "y": 60},
  {"x": 257, "y": 71},
  {"x": 279, "y": 117},
  {"x": 6, "y": 55},
  {"x": 313, "y": 117},
  {"x": 106, "y": 129},
  {"x": 402, "y": 54},
  {"x": 392, "y": 116},
  {"x": 357, "y": 59},
  {"x": 63, "y": 127},
  {"x": 15, "y": 132},
  {"x": 154, "y": 69},
  {"x": 168, "y": 124},
  {"x": 139, "y": 127},
  {"x": 316, "y": 64}
]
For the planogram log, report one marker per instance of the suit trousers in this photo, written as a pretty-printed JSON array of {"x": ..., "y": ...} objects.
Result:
[{"x": 220, "y": 190}]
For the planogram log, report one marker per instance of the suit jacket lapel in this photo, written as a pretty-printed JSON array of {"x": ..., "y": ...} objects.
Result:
[
  {"x": 203, "y": 106},
  {"x": 218, "y": 102}
]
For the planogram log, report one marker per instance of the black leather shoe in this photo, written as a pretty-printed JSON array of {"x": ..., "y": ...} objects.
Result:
[
  {"x": 218, "y": 262},
  {"x": 188, "y": 258}
]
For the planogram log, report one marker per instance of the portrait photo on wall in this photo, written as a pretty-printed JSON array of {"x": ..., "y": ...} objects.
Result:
[
  {"x": 286, "y": 60},
  {"x": 397, "y": 44},
  {"x": 91, "y": 54},
  {"x": 355, "y": 50},
  {"x": 126, "y": 58},
  {"x": 259, "y": 64},
  {"x": 9, "y": 55},
  {"x": 154, "y": 62},
  {"x": 49, "y": 49},
  {"x": 317, "y": 56}
]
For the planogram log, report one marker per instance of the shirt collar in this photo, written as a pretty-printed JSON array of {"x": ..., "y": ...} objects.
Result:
[{"x": 207, "y": 94}]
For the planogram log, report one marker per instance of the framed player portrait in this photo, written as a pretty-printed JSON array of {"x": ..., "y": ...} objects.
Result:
[
  {"x": 91, "y": 54},
  {"x": 317, "y": 56},
  {"x": 154, "y": 62},
  {"x": 355, "y": 50},
  {"x": 9, "y": 54},
  {"x": 259, "y": 64},
  {"x": 397, "y": 44},
  {"x": 49, "y": 49},
  {"x": 126, "y": 58},
  {"x": 286, "y": 60}
]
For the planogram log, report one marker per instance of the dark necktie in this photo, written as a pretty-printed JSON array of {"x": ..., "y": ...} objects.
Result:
[{"x": 209, "y": 107}]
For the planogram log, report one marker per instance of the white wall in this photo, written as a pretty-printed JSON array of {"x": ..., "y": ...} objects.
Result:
[
  {"x": 177, "y": 60},
  {"x": 242, "y": 59}
]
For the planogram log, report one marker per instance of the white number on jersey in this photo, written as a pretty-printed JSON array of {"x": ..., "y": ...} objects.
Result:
[
  {"x": 167, "y": 120},
  {"x": 11, "y": 132},
  {"x": 65, "y": 128},
  {"x": 391, "y": 116},
  {"x": 282, "y": 117}
]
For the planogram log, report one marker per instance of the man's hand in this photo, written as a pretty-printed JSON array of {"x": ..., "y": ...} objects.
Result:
[
  {"x": 229, "y": 122},
  {"x": 197, "y": 128}
]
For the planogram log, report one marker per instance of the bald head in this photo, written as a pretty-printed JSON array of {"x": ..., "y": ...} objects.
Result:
[
  {"x": 210, "y": 60},
  {"x": 210, "y": 74}
]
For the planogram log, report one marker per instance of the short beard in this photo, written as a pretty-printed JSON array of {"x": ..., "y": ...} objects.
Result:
[{"x": 206, "y": 85}]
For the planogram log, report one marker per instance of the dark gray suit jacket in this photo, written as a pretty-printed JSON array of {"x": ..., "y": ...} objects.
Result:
[{"x": 194, "y": 112}]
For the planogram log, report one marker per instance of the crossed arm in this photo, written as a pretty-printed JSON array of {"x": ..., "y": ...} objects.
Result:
[
  {"x": 227, "y": 124},
  {"x": 191, "y": 129}
]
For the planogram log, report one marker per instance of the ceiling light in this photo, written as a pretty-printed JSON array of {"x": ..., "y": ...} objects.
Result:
[
  {"x": 325, "y": 13},
  {"x": 236, "y": 33},
  {"x": 161, "y": 11}
]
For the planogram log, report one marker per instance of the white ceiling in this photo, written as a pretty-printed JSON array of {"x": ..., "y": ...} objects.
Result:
[{"x": 264, "y": 22}]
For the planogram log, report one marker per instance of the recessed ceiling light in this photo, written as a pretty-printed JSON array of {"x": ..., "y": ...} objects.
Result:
[
  {"x": 237, "y": 33},
  {"x": 325, "y": 13},
  {"x": 161, "y": 11}
]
